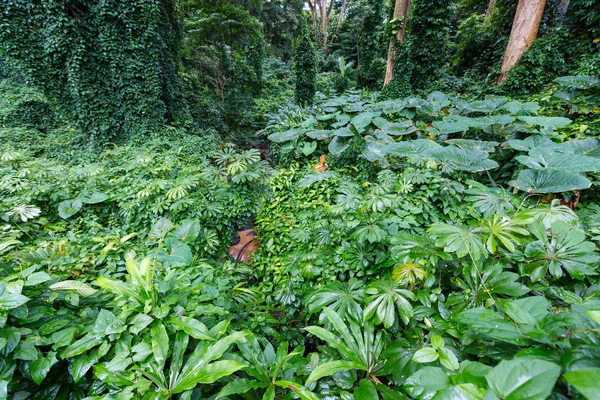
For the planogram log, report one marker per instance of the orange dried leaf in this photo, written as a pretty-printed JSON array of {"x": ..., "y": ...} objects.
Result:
[
  {"x": 322, "y": 165},
  {"x": 243, "y": 250}
]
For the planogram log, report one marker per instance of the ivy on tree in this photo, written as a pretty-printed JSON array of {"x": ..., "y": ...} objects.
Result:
[
  {"x": 305, "y": 69},
  {"x": 110, "y": 66}
]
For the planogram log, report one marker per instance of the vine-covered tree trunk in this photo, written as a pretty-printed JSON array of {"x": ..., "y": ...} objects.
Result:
[
  {"x": 400, "y": 11},
  {"x": 523, "y": 33},
  {"x": 305, "y": 69}
]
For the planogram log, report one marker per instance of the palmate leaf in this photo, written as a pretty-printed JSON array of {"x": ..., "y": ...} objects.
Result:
[
  {"x": 565, "y": 248},
  {"x": 502, "y": 230},
  {"x": 342, "y": 297},
  {"x": 459, "y": 240},
  {"x": 549, "y": 181},
  {"x": 385, "y": 297},
  {"x": 358, "y": 344},
  {"x": 489, "y": 201},
  {"x": 416, "y": 247}
]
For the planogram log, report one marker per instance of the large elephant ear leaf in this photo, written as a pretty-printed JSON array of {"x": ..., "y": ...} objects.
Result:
[
  {"x": 545, "y": 158},
  {"x": 548, "y": 123},
  {"x": 549, "y": 181},
  {"x": 286, "y": 136},
  {"x": 455, "y": 159}
]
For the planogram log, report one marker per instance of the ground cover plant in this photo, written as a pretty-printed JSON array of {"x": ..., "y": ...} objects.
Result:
[{"x": 245, "y": 200}]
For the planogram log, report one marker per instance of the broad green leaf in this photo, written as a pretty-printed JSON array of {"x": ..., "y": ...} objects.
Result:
[
  {"x": 160, "y": 342},
  {"x": 178, "y": 253},
  {"x": 549, "y": 181},
  {"x": 452, "y": 158},
  {"x": 302, "y": 392},
  {"x": 362, "y": 120},
  {"x": 586, "y": 381},
  {"x": 338, "y": 145},
  {"x": 208, "y": 373},
  {"x": 239, "y": 386},
  {"x": 545, "y": 158},
  {"x": 409, "y": 148},
  {"x": 491, "y": 324},
  {"x": 448, "y": 359},
  {"x": 36, "y": 278},
  {"x": 366, "y": 391},
  {"x": 188, "y": 231},
  {"x": 82, "y": 364},
  {"x": 316, "y": 177},
  {"x": 547, "y": 122},
  {"x": 286, "y": 136},
  {"x": 320, "y": 134},
  {"x": 331, "y": 367},
  {"x": 68, "y": 208},
  {"x": 82, "y": 289},
  {"x": 81, "y": 346},
  {"x": 160, "y": 228},
  {"x": 427, "y": 381},
  {"x": 466, "y": 391},
  {"x": 40, "y": 367},
  {"x": 139, "y": 322},
  {"x": 425, "y": 355},
  {"x": 94, "y": 198},
  {"x": 192, "y": 327},
  {"x": 523, "y": 379}
]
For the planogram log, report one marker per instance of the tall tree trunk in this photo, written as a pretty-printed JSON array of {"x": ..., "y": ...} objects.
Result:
[
  {"x": 400, "y": 11},
  {"x": 324, "y": 21},
  {"x": 523, "y": 33},
  {"x": 339, "y": 22},
  {"x": 488, "y": 12}
]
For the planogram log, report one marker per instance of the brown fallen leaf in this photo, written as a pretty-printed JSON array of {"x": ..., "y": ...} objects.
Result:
[
  {"x": 243, "y": 250},
  {"x": 322, "y": 165}
]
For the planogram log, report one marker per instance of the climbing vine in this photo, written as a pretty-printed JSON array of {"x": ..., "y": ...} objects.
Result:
[
  {"x": 109, "y": 66},
  {"x": 305, "y": 69}
]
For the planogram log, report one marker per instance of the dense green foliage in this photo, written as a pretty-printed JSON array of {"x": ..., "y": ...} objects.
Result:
[
  {"x": 111, "y": 66},
  {"x": 305, "y": 69},
  {"x": 436, "y": 240}
]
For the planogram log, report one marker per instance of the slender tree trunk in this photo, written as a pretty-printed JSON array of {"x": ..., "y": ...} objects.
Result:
[
  {"x": 324, "y": 21},
  {"x": 523, "y": 33},
  {"x": 488, "y": 12},
  {"x": 339, "y": 22},
  {"x": 400, "y": 11}
]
